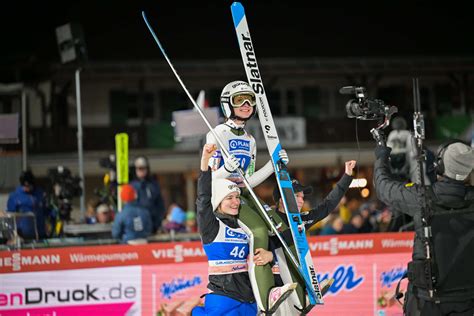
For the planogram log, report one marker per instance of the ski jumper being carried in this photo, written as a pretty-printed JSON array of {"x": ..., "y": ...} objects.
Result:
[
  {"x": 226, "y": 244},
  {"x": 238, "y": 105}
]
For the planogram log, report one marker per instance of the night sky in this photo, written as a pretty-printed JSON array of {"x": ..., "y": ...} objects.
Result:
[{"x": 114, "y": 30}]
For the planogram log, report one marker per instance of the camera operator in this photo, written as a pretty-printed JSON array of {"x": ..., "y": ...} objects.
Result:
[
  {"x": 451, "y": 193},
  {"x": 29, "y": 198}
]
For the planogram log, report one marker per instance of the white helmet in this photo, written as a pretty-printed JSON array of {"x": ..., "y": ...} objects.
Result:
[{"x": 232, "y": 89}]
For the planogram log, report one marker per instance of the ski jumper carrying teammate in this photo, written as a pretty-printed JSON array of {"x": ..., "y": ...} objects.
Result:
[
  {"x": 283, "y": 270},
  {"x": 225, "y": 243},
  {"x": 238, "y": 105}
]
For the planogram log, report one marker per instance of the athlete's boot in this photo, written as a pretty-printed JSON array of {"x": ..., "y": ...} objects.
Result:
[
  {"x": 325, "y": 285},
  {"x": 278, "y": 295}
]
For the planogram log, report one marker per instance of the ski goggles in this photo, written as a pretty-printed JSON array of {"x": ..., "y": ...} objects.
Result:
[{"x": 239, "y": 100}]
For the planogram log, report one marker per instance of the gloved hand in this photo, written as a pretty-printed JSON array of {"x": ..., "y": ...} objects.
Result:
[
  {"x": 284, "y": 156},
  {"x": 382, "y": 152},
  {"x": 231, "y": 163}
]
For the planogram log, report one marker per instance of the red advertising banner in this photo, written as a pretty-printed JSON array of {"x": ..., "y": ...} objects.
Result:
[
  {"x": 146, "y": 279},
  {"x": 99, "y": 256},
  {"x": 184, "y": 252}
]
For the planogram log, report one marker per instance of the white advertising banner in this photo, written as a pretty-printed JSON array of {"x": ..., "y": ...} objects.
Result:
[{"x": 100, "y": 291}]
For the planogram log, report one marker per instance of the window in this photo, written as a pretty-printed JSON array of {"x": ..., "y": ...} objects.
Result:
[
  {"x": 172, "y": 100},
  {"x": 274, "y": 101},
  {"x": 396, "y": 95},
  {"x": 292, "y": 109},
  {"x": 445, "y": 102},
  {"x": 130, "y": 108},
  {"x": 311, "y": 101}
]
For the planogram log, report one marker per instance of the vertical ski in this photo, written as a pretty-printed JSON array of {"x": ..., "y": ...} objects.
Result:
[
  {"x": 261, "y": 209},
  {"x": 273, "y": 143}
]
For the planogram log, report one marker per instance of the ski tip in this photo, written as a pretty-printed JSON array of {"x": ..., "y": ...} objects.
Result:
[
  {"x": 152, "y": 32},
  {"x": 237, "y": 4},
  {"x": 144, "y": 17},
  {"x": 237, "y": 12}
]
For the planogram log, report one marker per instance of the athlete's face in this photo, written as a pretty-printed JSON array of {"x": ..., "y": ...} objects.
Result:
[
  {"x": 299, "y": 196},
  {"x": 243, "y": 104},
  {"x": 244, "y": 111},
  {"x": 230, "y": 204}
]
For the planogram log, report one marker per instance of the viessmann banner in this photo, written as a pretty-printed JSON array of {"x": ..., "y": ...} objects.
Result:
[{"x": 141, "y": 280}]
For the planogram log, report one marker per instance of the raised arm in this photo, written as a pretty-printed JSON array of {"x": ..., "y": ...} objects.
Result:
[
  {"x": 329, "y": 203},
  {"x": 403, "y": 197},
  {"x": 207, "y": 222},
  {"x": 231, "y": 163}
]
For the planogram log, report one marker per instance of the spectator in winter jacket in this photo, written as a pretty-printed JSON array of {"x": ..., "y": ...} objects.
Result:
[
  {"x": 133, "y": 222},
  {"x": 176, "y": 219},
  {"x": 148, "y": 192},
  {"x": 191, "y": 225},
  {"x": 334, "y": 226},
  {"x": 103, "y": 214},
  {"x": 29, "y": 198}
]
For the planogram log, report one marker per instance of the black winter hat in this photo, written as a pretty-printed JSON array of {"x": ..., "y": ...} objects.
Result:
[
  {"x": 27, "y": 177},
  {"x": 297, "y": 187}
]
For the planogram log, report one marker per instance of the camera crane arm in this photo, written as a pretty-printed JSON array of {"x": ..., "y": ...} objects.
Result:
[{"x": 419, "y": 136}]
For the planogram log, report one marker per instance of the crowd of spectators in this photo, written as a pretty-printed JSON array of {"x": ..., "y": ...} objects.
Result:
[
  {"x": 348, "y": 217},
  {"x": 142, "y": 215},
  {"x": 369, "y": 217}
]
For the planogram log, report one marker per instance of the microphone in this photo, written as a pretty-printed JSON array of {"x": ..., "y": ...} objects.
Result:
[{"x": 347, "y": 90}]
